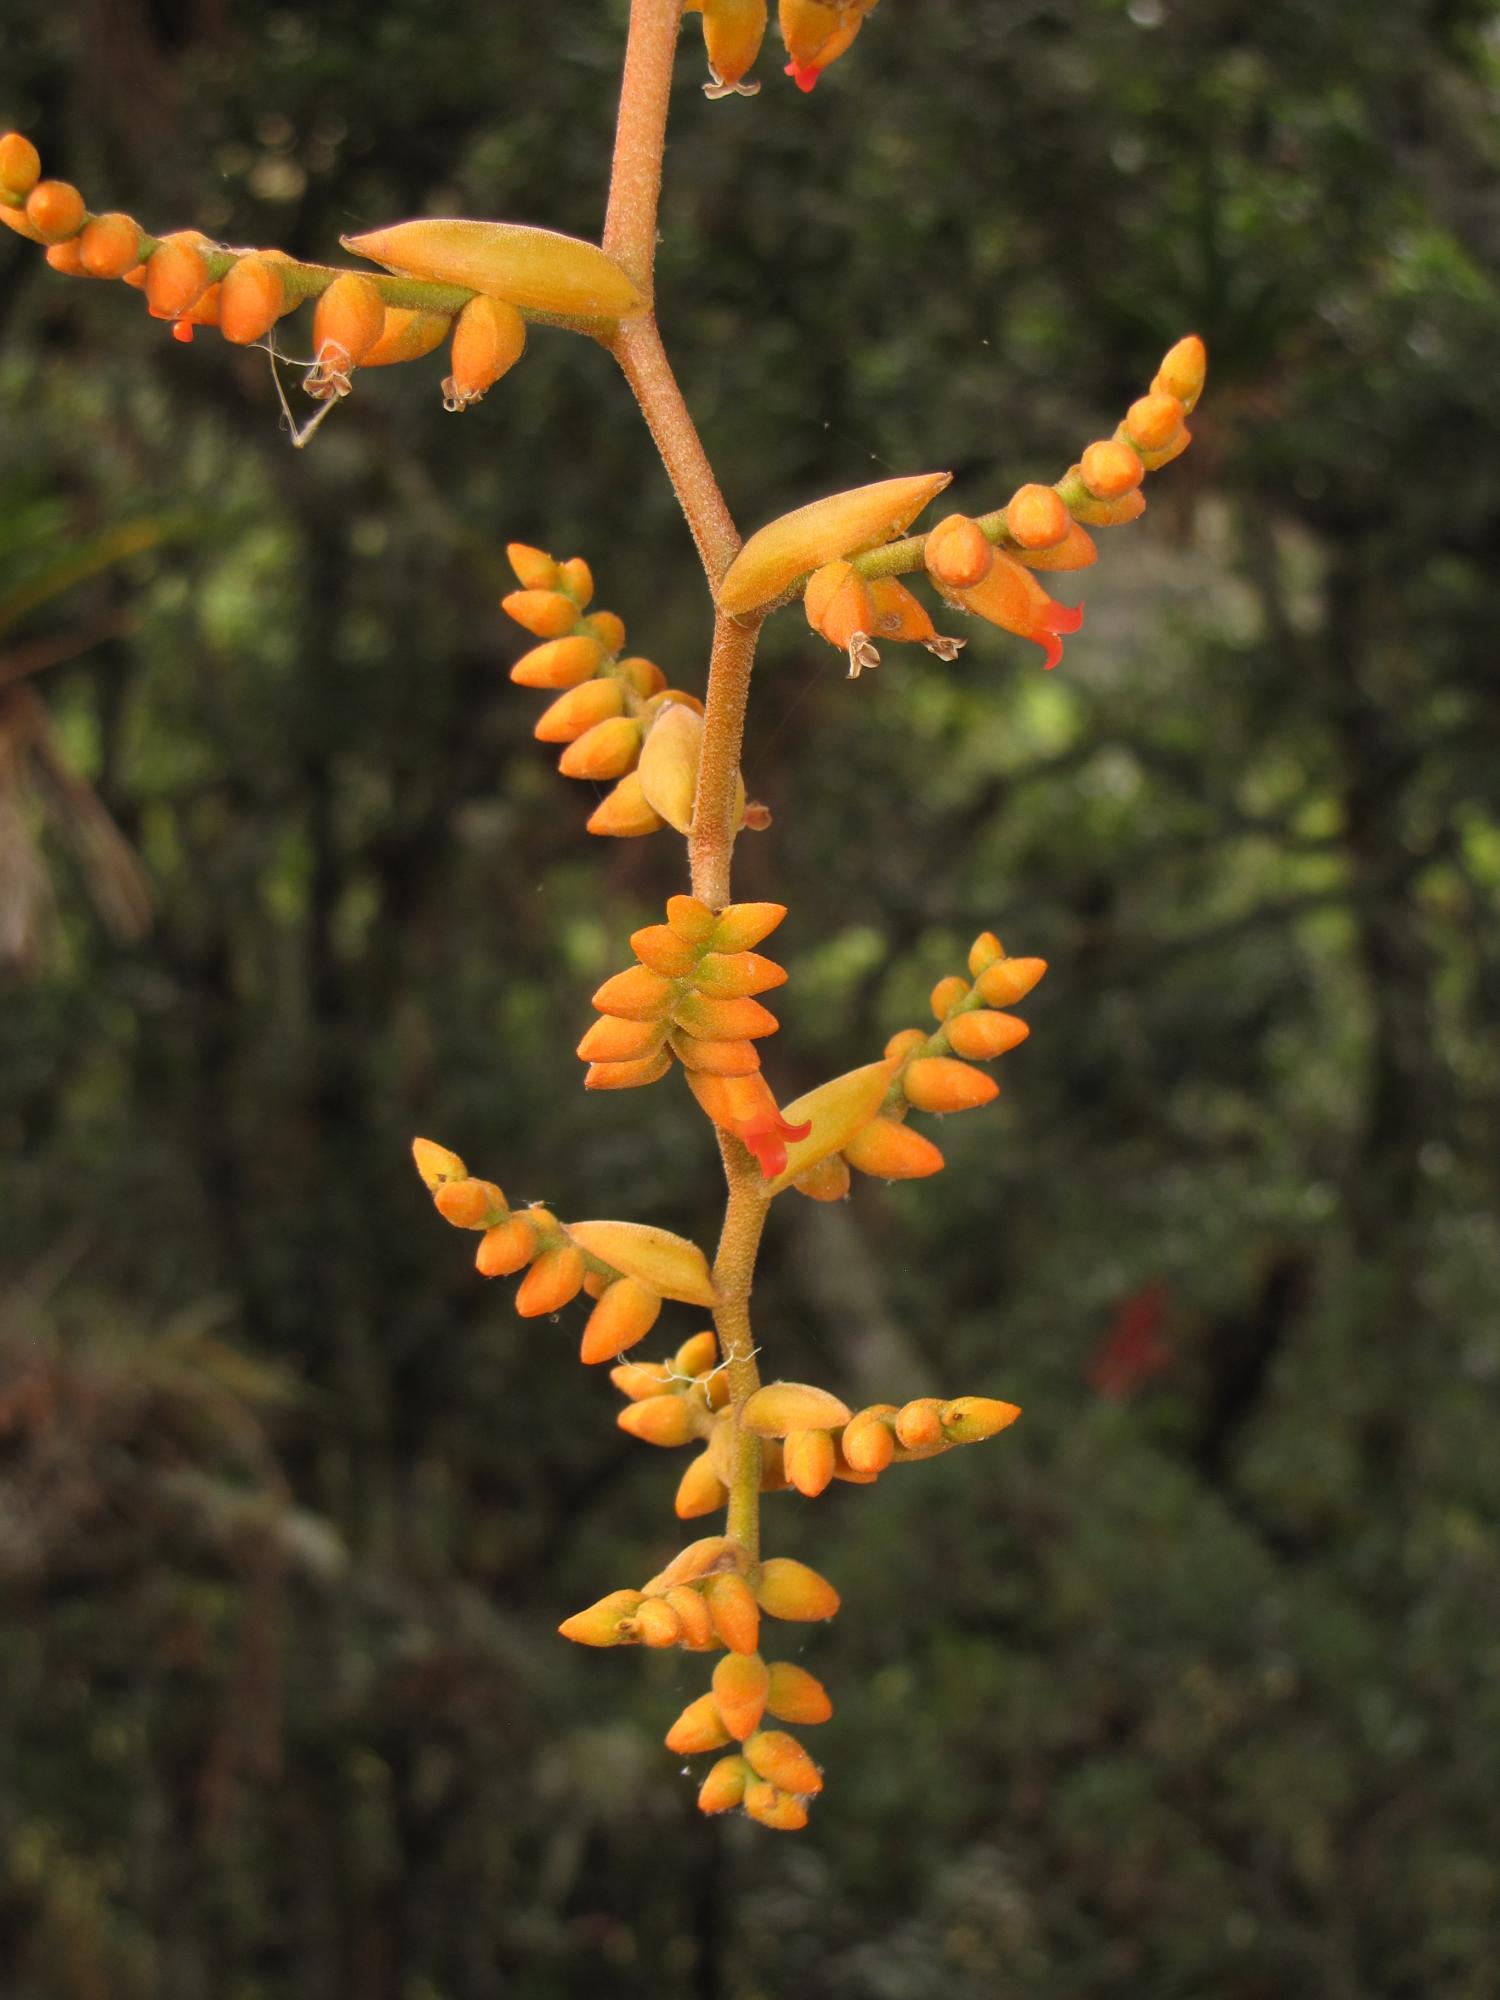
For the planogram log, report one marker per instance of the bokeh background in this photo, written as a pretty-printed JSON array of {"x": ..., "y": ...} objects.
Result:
[{"x": 1189, "y": 1685}]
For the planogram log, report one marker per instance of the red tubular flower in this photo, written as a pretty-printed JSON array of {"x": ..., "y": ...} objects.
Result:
[
  {"x": 744, "y": 1106},
  {"x": 817, "y": 32},
  {"x": 1013, "y": 599}
]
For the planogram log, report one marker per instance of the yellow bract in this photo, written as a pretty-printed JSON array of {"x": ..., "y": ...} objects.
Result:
[
  {"x": 786, "y": 549},
  {"x": 668, "y": 1264},
  {"x": 837, "y": 1110},
  {"x": 532, "y": 268}
]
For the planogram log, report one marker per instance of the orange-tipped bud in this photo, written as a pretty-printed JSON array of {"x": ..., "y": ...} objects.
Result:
[
  {"x": 407, "y": 335},
  {"x": 781, "y": 1760},
  {"x": 554, "y": 1279},
  {"x": 657, "y": 1624},
  {"x": 469, "y": 1204},
  {"x": 560, "y": 663},
  {"x": 251, "y": 300},
  {"x": 436, "y": 1164},
  {"x": 919, "y": 1424},
  {"x": 795, "y": 1695},
  {"x": 1076, "y": 550},
  {"x": 640, "y": 1379},
  {"x": 782, "y": 1407},
  {"x": 1036, "y": 517},
  {"x": 20, "y": 165},
  {"x": 838, "y": 605},
  {"x": 1182, "y": 372},
  {"x": 809, "y": 1458},
  {"x": 643, "y": 675},
  {"x": 628, "y": 1075},
  {"x": 905, "y": 1042},
  {"x": 615, "y": 1040},
  {"x": 827, "y": 1180},
  {"x": 741, "y": 925},
  {"x": 15, "y": 218},
  {"x": 55, "y": 210},
  {"x": 780, "y": 1811},
  {"x": 724, "y": 1787},
  {"x": 579, "y": 710},
  {"x": 983, "y": 952},
  {"x": 534, "y": 568},
  {"x": 600, "y": 1624},
  {"x": 983, "y": 1036},
  {"x": 608, "y": 750},
  {"x": 626, "y": 1313},
  {"x": 732, "y": 34},
  {"x": 947, "y": 994},
  {"x": 700, "y": 1491},
  {"x": 971, "y": 1419},
  {"x": 624, "y": 813},
  {"x": 489, "y": 338},
  {"x": 1107, "y": 513},
  {"x": 892, "y": 1152},
  {"x": 938, "y": 1083},
  {"x": 177, "y": 275},
  {"x": 506, "y": 1249},
  {"x": 545, "y": 614},
  {"x": 698, "y": 1634},
  {"x": 898, "y": 615},
  {"x": 869, "y": 1443},
  {"x": 636, "y": 994},
  {"x": 608, "y": 629},
  {"x": 697, "y": 1354},
  {"x": 1152, "y": 422},
  {"x": 713, "y": 1019},
  {"x": 734, "y": 1611},
  {"x": 731, "y": 975},
  {"x": 788, "y": 1589},
  {"x": 1003, "y": 984},
  {"x": 348, "y": 320},
  {"x": 1110, "y": 469},
  {"x": 660, "y": 1420},
  {"x": 576, "y": 578},
  {"x": 740, "y": 1685},
  {"x": 693, "y": 921},
  {"x": 716, "y": 1058},
  {"x": 110, "y": 246},
  {"x": 699, "y": 1727},
  {"x": 957, "y": 553},
  {"x": 659, "y": 947},
  {"x": 66, "y": 257}
]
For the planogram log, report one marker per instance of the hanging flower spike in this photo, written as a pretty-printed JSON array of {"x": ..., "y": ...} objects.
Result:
[
  {"x": 817, "y": 32},
  {"x": 733, "y": 31}
]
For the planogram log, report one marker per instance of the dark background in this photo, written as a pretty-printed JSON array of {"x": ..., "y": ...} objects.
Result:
[{"x": 1190, "y": 1684}]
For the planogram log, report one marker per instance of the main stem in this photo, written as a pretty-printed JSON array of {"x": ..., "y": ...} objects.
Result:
[{"x": 630, "y": 238}]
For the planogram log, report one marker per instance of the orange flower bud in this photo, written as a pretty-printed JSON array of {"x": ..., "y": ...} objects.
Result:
[
  {"x": 982, "y": 1036},
  {"x": 919, "y": 1424},
  {"x": 506, "y": 1249},
  {"x": 724, "y": 1787},
  {"x": 741, "y": 1683},
  {"x": 110, "y": 246},
  {"x": 817, "y": 32},
  {"x": 15, "y": 218},
  {"x": 534, "y": 568},
  {"x": 626, "y": 1313},
  {"x": 692, "y": 1614},
  {"x": 763, "y": 1803},
  {"x": 1011, "y": 598},
  {"x": 869, "y": 1443},
  {"x": 1036, "y": 517},
  {"x": 958, "y": 553},
  {"x": 1182, "y": 372},
  {"x": 776, "y": 556},
  {"x": 20, "y": 165},
  {"x": 578, "y": 710},
  {"x": 1003, "y": 984},
  {"x": 828, "y": 1180},
  {"x": 347, "y": 321},
  {"x": 608, "y": 629},
  {"x": 623, "y": 813},
  {"x": 560, "y": 663},
  {"x": 947, "y": 994},
  {"x": 1076, "y": 550},
  {"x": 546, "y": 614},
  {"x": 838, "y": 605},
  {"x": 407, "y": 335},
  {"x": 983, "y": 952},
  {"x": 714, "y": 1019},
  {"x": 659, "y": 948},
  {"x": 628, "y": 1075},
  {"x": 899, "y": 615},
  {"x": 699, "y": 1727},
  {"x": 700, "y": 1491},
  {"x": 970, "y": 1419},
  {"x": 636, "y": 994},
  {"x": 660, "y": 1420},
  {"x": 716, "y": 1058},
  {"x": 640, "y": 1379},
  {"x": 691, "y": 920},
  {"x": 892, "y": 1152},
  {"x": 709, "y": 1556},
  {"x": 489, "y": 338},
  {"x": 600, "y": 1624},
  {"x": 938, "y": 1083},
  {"x": 554, "y": 1279},
  {"x": 697, "y": 1354},
  {"x": 577, "y": 579},
  {"x": 468, "y": 1204},
  {"x": 657, "y": 1624},
  {"x": 436, "y": 1164},
  {"x": 781, "y": 1760},
  {"x": 741, "y": 925},
  {"x": 736, "y": 1616},
  {"x": 643, "y": 675},
  {"x": 782, "y": 1407},
  {"x": 794, "y": 1695},
  {"x": 67, "y": 257},
  {"x": 176, "y": 274},
  {"x": 809, "y": 1459},
  {"x": 608, "y": 750},
  {"x": 1110, "y": 469},
  {"x": 790, "y": 1590},
  {"x": 1153, "y": 421},
  {"x": 615, "y": 1040},
  {"x": 732, "y": 34},
  {"x": 730, "y": 975},
  {"x": 1107, "y": 513},
  {"x": 55, "y": 210},
  {"x": 251, "y": 300}
]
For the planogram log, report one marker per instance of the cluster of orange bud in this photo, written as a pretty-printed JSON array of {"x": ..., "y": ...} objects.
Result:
[
  {"x": 691, "y": 993},
  {"x": 627, "y": 1268},
  {"x": 616, "y": 717},
  {"x": 841, "y": 555},
  {"x": 816, "y": 33},
  {"x": 822, "y": 1440}
]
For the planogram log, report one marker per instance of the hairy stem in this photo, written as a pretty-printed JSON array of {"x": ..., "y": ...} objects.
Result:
[
  {"x": 711, "y": 842},
  {"x": 640, "y": 137},
  {"x": 637, "y": 346},
  {"x": 734, "y": 1273}
]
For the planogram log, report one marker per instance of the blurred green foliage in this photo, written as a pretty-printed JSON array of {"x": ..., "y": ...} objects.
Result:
[{"x": 1188, "y": 1685}]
